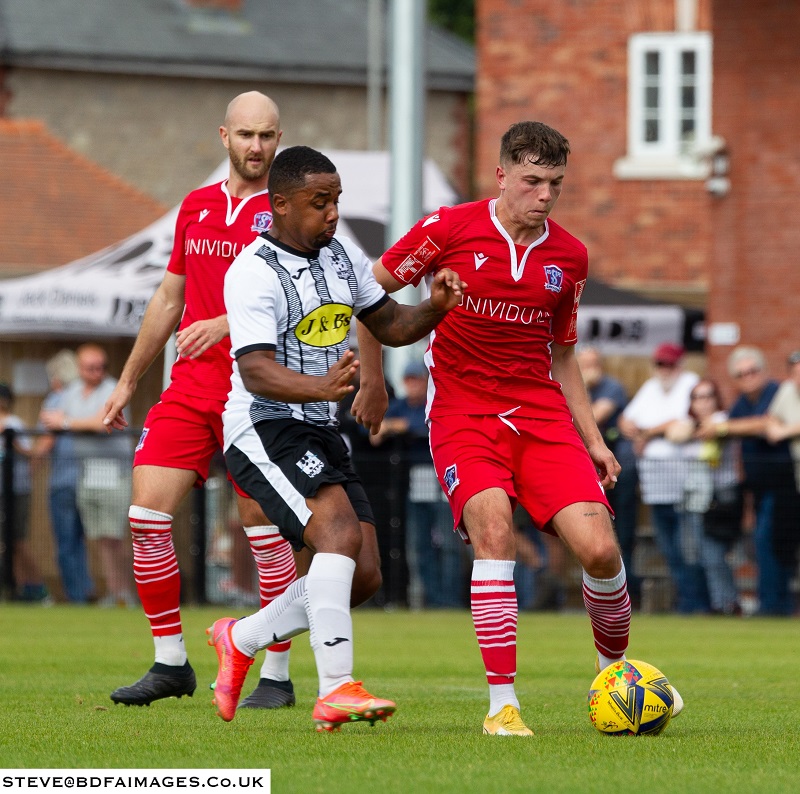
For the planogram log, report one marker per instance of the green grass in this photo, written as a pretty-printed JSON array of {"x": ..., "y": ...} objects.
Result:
[{"x": 740, "y": 730}]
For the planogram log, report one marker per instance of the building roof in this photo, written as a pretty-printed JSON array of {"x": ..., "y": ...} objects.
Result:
[
  {"x": 58, "y": 206},
  {"x": 306, "y": 41}
]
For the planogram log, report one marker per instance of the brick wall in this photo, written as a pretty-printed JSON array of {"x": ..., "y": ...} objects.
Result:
[
  {"x": 566, "y": 64},
  {"x": 160, "y": 134},
  {"x": 756, "y": 252}
]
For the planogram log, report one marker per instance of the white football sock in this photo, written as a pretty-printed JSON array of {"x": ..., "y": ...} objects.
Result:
[
  {"x": 170, "y": 650},
  {"x": 605, "y": 661},
  {"x": 276, "y": 665},
  {"x": 284, "y": 618},
  {"x": 501, "y": 695},
  {"x": 328, "y": 585}
]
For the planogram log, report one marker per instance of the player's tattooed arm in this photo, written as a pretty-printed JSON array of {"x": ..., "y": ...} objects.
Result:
[
  {"x": 395, "y": 324},
  {"x": 261, "y": 374}
]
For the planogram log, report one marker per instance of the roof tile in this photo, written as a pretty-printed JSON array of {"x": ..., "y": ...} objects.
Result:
[{"x": 55, "y": 205}]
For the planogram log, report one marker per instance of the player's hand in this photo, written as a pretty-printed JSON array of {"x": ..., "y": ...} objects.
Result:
[
  {"x": 337, "y": 381},
  {"x": 607, "y": 466},
  {"x": 115, "y": 404},
  {"x": 196, "y": 338},
  {"x": 447, "y": 289},
  {"x": 370, "y": 405}
]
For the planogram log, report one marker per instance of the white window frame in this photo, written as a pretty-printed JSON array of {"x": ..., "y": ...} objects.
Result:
[{"x": 665, "y": 158}]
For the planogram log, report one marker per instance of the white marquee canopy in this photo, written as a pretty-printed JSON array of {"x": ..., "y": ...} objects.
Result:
[{"x": 104, "y": 295}]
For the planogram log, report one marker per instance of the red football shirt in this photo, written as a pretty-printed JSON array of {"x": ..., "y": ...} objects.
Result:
[
  {"x": 211, "y": 229},
  {"x": 491, "y": 354}
]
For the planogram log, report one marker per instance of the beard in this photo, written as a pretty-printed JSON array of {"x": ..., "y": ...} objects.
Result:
[{"x": 247, "y": 169}]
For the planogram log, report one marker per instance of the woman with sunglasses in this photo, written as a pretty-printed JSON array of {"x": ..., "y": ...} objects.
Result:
[{"x": 711, "y": 511}]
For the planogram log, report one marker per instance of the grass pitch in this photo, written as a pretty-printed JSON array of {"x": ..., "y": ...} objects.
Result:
[{"x": 740, "y": 730}]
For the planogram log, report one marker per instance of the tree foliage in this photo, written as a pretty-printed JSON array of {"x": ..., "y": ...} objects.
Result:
[{"x": 457, "y": 16}]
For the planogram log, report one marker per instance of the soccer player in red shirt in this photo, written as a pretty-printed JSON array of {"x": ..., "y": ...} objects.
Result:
[
  {"x": 183, "y": 431},
  {"x": 510, "y": 420}
]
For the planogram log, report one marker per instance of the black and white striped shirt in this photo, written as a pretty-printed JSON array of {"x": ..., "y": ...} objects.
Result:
[{"x": 299, "y": 305}]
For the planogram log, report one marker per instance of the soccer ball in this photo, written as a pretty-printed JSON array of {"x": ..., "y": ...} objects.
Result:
[{"x": 630, "y": 698}]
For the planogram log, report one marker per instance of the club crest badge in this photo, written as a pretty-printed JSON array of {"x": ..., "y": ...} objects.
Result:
[
  {"x": 341, "y": 264},
  {"x": 553, "y": 278},
  {"x": 142, "y": 438},
  {"x": 261, "y": 222},
  {"x": 310, "y": 464},
  {"x": 451, "y": 479}
]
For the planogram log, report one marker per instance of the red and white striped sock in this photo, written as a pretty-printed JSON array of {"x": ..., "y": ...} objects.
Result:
[
  {"x": 494, "y": 614},
  {"x": 609, "y": 608},
  {"x": 158, "y": 581},
  {"x": 276, "y": 571}
]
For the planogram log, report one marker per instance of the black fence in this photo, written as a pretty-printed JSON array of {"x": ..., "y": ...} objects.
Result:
[{"x": 422, "y": 568}]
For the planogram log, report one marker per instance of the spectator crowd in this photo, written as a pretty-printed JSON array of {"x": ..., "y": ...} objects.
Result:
[{"x": 713, "y": 488}]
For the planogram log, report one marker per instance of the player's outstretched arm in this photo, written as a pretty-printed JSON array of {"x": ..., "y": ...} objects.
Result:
[
  {"x": 395, "y": 324},
  {"x": 371, "y": 400},
  {"x": 567, "y": 372},
  {"x": 196, "y": 338},
  {"x": 261, "y": 374},
  {"x": 160, "y": 318}
]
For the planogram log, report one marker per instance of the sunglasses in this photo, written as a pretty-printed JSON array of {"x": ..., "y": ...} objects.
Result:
[
  {"x": 746, "y": 373},
  {"x": 704, "y": 396},
  {"x": 666, "y": 364}
]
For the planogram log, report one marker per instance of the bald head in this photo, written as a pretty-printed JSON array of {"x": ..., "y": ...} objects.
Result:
[
  {"x": 251, "y": 104},
  {"x": 251, "y": 133}
]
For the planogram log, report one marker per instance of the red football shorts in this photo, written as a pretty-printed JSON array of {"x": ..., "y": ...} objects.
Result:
[
  {"x": 181, "y": 432},
  {"x": 541, "y": 464}
]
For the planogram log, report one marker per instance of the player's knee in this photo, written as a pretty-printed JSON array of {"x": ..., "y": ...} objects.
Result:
[
  {"x": 339, "y": 534},
  {"x": 602, "y": 559},
  {"x": 494, "y": 543}
]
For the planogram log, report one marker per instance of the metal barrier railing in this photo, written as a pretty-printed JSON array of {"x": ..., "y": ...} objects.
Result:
[{"x": 216, "y": 566}]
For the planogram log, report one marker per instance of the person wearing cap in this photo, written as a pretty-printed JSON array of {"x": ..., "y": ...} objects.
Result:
[
  {"x": 661, "y": 400},
  {"x": 434, "y": 554},
  {"x": 768, "y": 470}
]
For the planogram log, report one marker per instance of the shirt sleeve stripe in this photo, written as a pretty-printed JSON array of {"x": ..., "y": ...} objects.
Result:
[
  {"x": 250, "y": 348},
  {"x": 375, "y": 306}
]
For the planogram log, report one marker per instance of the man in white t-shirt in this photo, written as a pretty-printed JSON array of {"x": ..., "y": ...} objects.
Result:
[{"x": 660, "y": 400}]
